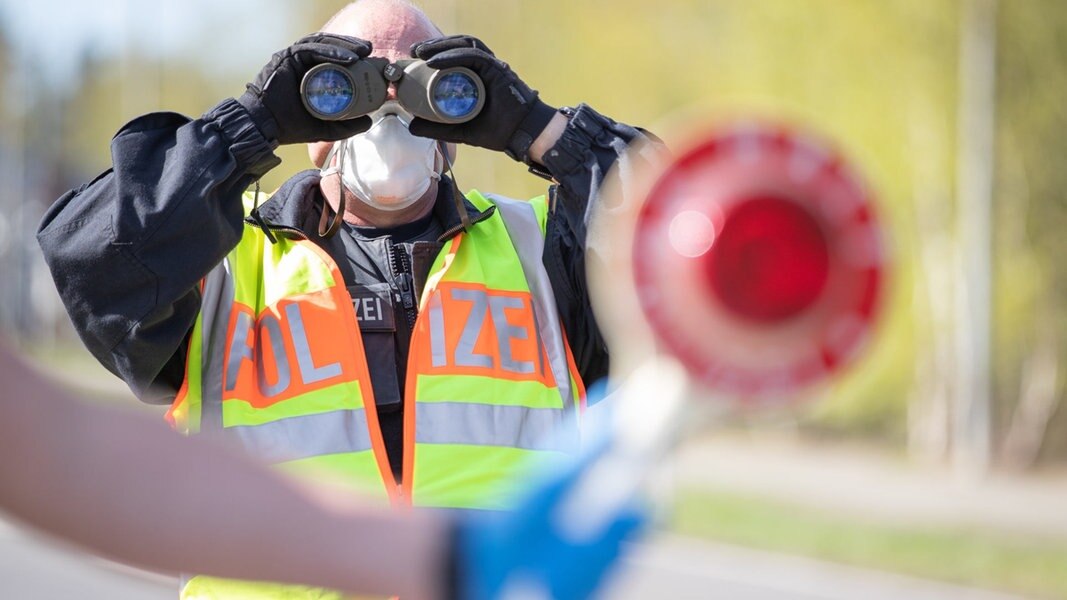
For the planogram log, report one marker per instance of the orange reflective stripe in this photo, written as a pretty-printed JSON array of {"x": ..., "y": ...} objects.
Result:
[
  {"x": 434, "y": 279},
  {"x": 343, "y": 301},
  {"x": 407, "y": 474},
  {"x": 429, "y": 301},
  {"x": 178, "y": 406},
  {"x": 576, "y": 378}
]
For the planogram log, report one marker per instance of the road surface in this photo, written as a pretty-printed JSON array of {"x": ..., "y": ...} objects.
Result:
[{"x": 667, "y": 567}]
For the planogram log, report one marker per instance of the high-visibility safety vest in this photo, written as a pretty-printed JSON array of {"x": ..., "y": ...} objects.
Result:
[{"x": 276, "y": 362}]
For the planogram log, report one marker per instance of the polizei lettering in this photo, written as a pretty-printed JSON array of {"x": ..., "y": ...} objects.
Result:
[
  {"x": 476, "y": 329},
  {"x": 277, "y": 347}
]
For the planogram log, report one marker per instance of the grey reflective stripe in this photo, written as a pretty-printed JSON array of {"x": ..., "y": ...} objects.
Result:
[
  {"x": 438, "y": 354},
  {"x": 309, "y": 373},
  {"x": 239, "y": 349},
  {"x": 525, "y": 233},
  {"x": 465, "y": 356},
  {"x": 215, "y": 307},
  {"x": 305, "y": 436},
  {"x": 540, "y": 344},
  {"x": 491, "y": 425},
  {"x": 506, "y": 331},
  {"x": 273, "y": 328}
]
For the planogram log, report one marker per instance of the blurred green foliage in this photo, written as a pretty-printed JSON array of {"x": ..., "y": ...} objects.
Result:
[
  {"x": 879, "y": 78},
  {"x": 967, "y": 556}
]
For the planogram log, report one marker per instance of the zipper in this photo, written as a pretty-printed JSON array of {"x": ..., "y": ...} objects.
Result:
[{"x": 404, "y": 281}]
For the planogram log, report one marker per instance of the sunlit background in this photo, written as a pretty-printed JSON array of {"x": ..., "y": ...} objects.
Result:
[{"x": 943, "y": 447}]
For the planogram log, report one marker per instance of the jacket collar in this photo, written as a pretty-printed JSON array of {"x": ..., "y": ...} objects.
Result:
[{"x": 295, "y": 208}]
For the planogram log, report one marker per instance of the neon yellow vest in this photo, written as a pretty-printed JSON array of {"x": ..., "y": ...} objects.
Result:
[{"x": 276, "y": 362}]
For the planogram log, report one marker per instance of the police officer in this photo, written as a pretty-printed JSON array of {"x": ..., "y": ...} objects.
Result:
[{"x": 252, "y": 315}]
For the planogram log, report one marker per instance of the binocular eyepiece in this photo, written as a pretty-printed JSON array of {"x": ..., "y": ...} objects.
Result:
[{"x": 334, "y": 92}]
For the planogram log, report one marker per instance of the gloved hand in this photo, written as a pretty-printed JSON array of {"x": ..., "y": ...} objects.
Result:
[
  {"x": 512, "y": 117},
  {"x": 273, "y": 99},
  {"x": 527, "y": 552}
]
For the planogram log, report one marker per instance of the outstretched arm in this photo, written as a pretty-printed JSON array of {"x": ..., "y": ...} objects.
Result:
[
  {"x": 190, "y": 505},
  {"x": 66, "y": 468}
]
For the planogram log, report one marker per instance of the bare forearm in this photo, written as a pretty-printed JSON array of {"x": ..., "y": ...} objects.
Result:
[
  {"x": 548, "y": 137},
  {"x": 139, "y": 493}
]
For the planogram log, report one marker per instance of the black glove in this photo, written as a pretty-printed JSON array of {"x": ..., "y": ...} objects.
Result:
[
  {"x": 273, "y": 99},
  {"x": 512, "y": 117}
]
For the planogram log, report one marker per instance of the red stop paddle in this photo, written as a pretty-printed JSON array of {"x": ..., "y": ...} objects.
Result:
[{"x": 758, "y": 266}]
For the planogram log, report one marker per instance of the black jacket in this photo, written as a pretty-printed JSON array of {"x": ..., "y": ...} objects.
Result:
[{"x": 128, "y": 249}]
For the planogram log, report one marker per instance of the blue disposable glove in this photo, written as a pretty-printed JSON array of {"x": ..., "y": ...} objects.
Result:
[{"x": 527, "y": 553}]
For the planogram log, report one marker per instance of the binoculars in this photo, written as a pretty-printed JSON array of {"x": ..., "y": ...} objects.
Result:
[{"x": 334, "y": 92}]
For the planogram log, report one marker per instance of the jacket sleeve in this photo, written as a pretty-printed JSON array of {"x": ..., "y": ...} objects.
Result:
[
  {"x": 588, "y": 149},
  {"x": 128, "y": 250}
]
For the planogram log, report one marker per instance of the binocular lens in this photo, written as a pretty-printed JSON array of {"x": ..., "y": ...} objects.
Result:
[
  {"x": 329, "y": 91},
  {"x": 455, "y": 95}
]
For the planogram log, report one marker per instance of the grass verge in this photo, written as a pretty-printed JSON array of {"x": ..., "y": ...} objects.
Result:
[{"x": 969, "y": 557}]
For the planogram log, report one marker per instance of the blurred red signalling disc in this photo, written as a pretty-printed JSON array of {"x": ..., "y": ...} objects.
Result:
[{"x": 759, "y": 262}]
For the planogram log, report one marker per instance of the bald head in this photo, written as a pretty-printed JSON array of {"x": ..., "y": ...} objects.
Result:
[{"x": 391, "y": 25}]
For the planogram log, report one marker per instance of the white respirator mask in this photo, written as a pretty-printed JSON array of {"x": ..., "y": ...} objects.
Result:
[{"x": 385, "y": 167}]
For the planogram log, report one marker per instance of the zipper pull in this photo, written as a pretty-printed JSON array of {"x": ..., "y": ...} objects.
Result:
[{"x": 403, "y": 282}]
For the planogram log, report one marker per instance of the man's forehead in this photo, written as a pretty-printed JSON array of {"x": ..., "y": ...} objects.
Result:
[
  {"x": 398, "y": 42},
  {"x": 391, "y": 28}
]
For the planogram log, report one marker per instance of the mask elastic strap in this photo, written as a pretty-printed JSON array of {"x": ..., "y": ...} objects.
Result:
[
  {"x": 259, "y": 219},
  {"x": 457, "y": 196},
  {"x": 329, "y": 227}
]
